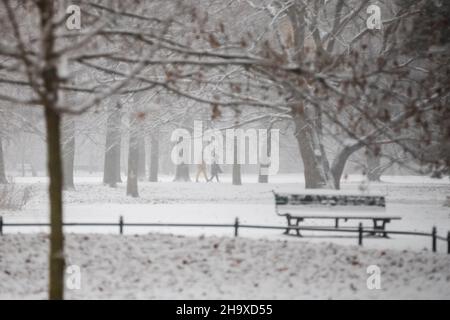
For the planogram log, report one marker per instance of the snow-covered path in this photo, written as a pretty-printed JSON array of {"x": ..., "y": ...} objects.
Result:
[{"x": 156, "y": 266}]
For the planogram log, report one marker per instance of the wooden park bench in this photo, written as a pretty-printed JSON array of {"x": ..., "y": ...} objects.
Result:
[{"x": 330, "y": 207}]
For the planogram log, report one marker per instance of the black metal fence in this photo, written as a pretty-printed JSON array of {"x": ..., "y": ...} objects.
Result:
[{"x": 237, "y": 225}]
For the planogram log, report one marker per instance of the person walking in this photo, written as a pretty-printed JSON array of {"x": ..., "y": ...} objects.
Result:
[
  {"x": 201, "y": 169},
  {"x": 215, "y": 170}
]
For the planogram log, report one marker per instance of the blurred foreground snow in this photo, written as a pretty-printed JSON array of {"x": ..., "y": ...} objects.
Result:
[{"x": 158, "y": 266}]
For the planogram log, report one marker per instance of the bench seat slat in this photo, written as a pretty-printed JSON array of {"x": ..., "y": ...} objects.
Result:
[
  {"x": 346, "y": 217},
  {"x": 324, "y": 210}
]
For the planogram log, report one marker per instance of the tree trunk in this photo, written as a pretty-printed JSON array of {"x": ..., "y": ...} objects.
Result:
[
  {"x": 111, "y": 171},
  {"x": 154, "y": 157},
  {"x": 373, "y": 164},
  {"x": 182, "y": 170},
  {"x": 237, "y": 180},
  {"x": 307, "y": 121},
  {"x": 315, "y": 163},
  {"x": 56, "y": 290},
  {"x": 133, "y": 161},
  {"x": 141, "y": 160},
  {"x": 339, "y": 162},
  {"x": 68, "y": 149},
  {"x": 3, "y": 179},
  {"x": 338, "y": 167},
  {"x": 261, "y": 177},
  {"x": 53, "y": 122},
  {"x": 264, "y": 178},
  {"x": 22, "y": 159},
  {"x": 182, "y": 173},
  {"x": 33, "y": 170}
]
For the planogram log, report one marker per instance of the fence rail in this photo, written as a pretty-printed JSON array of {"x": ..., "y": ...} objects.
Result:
[{"x": 237, "y": 225}]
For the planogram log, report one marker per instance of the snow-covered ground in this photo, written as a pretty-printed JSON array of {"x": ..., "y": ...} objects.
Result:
[
  {"x": 196, "y": 263},
  {"x": 418, "y": 200},
  {"x": 161, "y": 266}
]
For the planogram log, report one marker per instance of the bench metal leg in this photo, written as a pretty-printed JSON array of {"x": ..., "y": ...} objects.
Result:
[
  {"x": 288, "y": 218},
  {"x": 380, "y": 228},
  {"x": 294, "y": 224},
  {"x": 297, "y": 230},
  {"x": 385, "y": 235}
]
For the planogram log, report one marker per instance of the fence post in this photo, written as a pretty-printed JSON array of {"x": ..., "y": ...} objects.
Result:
[
  {"x": 1, "y": 225},
  {"x": 448, "y": 242},
  {"x": 236, "y": 227},
  {"x": 433, "y": 238},
  {"x": 360, "y": 234},
  {"x": 121, "y": 225}
]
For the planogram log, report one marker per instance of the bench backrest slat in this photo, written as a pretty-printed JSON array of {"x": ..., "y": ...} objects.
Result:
[{"x": 329, "y": 200}]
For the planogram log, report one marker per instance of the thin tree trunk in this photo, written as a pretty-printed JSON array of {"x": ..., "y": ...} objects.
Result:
[
  {"x": 53, "y": 120},
  {"x": 237, "y": 180},
  {"x": 3, "y": 179},
  {"x": 53, "y": 123},
  {"x": 68, "y": 149},
  {"x": 182, "y": 173},
  {"x": 33, "y": 170},
  {"x": 22, "y": 156},
  {"x": 264, "y": 178},
  {"x": 133, "y": 161},
  {"x": 111, "y": 171},
  {"x": 154, "y": 156},
  {"x": 141, "y": 160},
  {"x": 182, "y": 170},
  {"x": 236, "y": 170}
]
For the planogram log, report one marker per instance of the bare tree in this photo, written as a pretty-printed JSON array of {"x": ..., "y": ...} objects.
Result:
[{"x": 38, "y": 61}]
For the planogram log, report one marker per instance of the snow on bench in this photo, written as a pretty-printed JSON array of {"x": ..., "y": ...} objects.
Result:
[{"x": 328, "y": 205}]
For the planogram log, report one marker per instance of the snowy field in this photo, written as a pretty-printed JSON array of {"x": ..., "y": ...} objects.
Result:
[
  {"x": 159, "y": 266},
  {"x": 198, "y": 263},
  {"x": 418, "y": 200}
]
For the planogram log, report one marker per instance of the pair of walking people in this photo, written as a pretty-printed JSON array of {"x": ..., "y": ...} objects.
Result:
[{"x": 215, "y": 171}]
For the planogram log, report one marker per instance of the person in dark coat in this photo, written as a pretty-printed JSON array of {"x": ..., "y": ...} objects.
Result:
[{"x": 215, "y": 170}]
